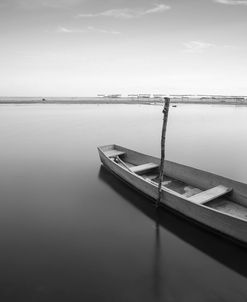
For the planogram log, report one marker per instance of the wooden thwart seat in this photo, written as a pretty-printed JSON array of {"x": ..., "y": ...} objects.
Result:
[
  {"x": 144, "y": 168},
  {"x": 114, "y": 153},
  {"x": 209, "y": 195}
]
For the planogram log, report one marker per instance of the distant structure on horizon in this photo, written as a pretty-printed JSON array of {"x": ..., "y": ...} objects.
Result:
[
  {"x": 180, "y": 98},
  {"x": 144, "y": 96},
  {"x": 157, "y": 96},
  {"x": 110, "y": 95}
]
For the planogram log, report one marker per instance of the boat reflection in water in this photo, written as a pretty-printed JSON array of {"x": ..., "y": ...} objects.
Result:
[{"x": 222, "y": 250}]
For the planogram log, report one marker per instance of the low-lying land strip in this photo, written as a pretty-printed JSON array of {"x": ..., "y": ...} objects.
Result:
[{"x": 125, "y": 100}]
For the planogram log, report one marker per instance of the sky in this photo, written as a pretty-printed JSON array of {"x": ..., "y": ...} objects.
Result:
[{"x": 76, "y": 48}]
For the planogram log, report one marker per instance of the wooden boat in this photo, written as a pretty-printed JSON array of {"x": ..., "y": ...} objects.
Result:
[{"x": 211, "y": 200}]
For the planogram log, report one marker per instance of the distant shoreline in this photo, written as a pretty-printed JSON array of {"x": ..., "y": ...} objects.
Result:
[{"x": 126, "y": 100}]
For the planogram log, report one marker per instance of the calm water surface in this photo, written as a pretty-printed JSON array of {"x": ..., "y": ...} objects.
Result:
[{"x": 70, "y": 231}]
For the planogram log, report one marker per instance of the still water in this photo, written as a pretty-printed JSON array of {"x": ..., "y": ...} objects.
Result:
[{"x": 70, "y": 231}]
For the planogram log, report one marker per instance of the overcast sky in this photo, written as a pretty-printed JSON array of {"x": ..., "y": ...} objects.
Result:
[{"x": 86, "y": 47}]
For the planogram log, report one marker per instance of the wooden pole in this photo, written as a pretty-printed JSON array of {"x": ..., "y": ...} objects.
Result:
[{"x": 163, "y": 140}]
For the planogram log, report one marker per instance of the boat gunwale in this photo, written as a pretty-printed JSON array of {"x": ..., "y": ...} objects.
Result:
[{"x": 168, "y": 191}]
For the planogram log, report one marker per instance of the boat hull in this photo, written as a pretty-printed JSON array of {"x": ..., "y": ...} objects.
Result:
[{"x": 227, "y": 225}]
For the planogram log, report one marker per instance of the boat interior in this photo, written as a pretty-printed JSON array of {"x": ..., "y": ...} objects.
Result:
[{"x": 216, "y": 197}]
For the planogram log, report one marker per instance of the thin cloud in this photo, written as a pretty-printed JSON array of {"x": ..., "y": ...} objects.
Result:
[
  {"x": 197, "y": 46},
  {"x": 232, "y": 2},
  {"x": 127, "y": 13},
  {"x": 66, "y": 30}
]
